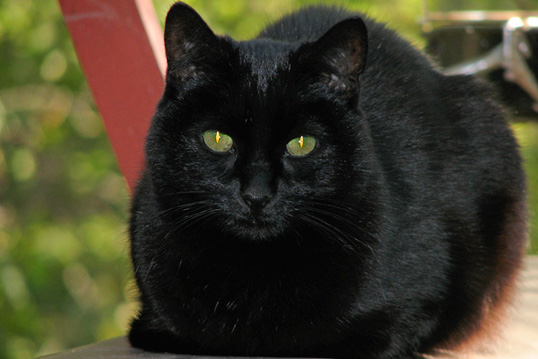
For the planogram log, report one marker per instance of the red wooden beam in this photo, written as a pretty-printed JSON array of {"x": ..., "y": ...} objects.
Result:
[{"x": 119, "y": 44}]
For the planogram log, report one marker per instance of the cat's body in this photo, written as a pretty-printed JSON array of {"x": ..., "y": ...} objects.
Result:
[{"x": 400, "y": 232}]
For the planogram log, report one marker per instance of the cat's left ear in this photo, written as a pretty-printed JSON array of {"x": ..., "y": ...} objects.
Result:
[{"x": 339, "y": 56}]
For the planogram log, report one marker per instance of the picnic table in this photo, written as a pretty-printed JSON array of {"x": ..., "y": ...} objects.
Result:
[{"x": 519, "y": 338}]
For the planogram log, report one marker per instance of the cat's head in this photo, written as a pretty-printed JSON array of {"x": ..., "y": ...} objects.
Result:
[{"x": 259, "y": 139}]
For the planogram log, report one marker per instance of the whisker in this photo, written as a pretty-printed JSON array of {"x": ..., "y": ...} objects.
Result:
[
  {"x": 334, "y": 220},
  {"x": 342, "y": 219},
  {"x": 149, "y": 269},
  {"x": 183, "y": 207},
  {"x": 185, "y": 193},
  {"x": 332, "y": 232},
  {"x": 188, "y": 221}
]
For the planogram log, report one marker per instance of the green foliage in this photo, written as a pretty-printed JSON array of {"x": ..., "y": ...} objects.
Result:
[
  {"x": 64, "y": 272},
  {"x": 527, "y": 135},
  {"x": 65, "y": 279}
]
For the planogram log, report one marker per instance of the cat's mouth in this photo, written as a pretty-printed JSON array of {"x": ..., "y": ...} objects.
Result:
[{"x": 256, "y": 228}]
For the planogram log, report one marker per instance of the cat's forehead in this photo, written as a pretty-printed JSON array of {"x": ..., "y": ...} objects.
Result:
[
  {"x": 262, "y": 102},
  {"x": 264, "y": 57}
]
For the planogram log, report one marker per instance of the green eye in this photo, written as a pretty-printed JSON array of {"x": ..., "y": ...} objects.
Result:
[
  {"x": 301, "y": 146},
  {"x": 217, "y": 141}
]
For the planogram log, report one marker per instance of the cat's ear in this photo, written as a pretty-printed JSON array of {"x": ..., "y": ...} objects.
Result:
[
  {"x": 338, "y": 57},
  {"x": 188, "y": 40}
]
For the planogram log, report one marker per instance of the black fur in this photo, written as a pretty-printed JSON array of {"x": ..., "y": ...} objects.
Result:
[{"x": 392, "y": 238}]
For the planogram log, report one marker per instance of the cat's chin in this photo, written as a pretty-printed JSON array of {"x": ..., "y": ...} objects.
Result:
[
  {"x": 256, "y": 231},
  {"x": 257, "y": 234}
]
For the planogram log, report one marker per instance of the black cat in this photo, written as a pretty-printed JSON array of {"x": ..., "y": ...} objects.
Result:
[{"x": 321, "y": 190}]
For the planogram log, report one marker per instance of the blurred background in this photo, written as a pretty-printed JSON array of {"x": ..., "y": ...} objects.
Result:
[{"x": 65, "y": 277}]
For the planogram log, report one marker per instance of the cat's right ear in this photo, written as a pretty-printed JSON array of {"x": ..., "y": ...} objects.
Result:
[
  {"x": 338, "y": 57},
  {"x": 188, "y": 40}
]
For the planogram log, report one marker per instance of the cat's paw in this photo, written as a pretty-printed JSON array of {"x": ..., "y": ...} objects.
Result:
[{"x": 144, "y": 337}]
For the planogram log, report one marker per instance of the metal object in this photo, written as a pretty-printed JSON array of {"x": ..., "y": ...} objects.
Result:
[
  {"x": 515, "y": 50},
  {"x": 510, "y": 55}
]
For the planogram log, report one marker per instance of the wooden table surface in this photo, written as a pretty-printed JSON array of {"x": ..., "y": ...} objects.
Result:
[{"x": 520, "y": 337}]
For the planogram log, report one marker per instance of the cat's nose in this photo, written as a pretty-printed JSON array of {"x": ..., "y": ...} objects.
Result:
[
  {"x": 256, "y": 201},
  {"x": 257, "y": 192}
]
